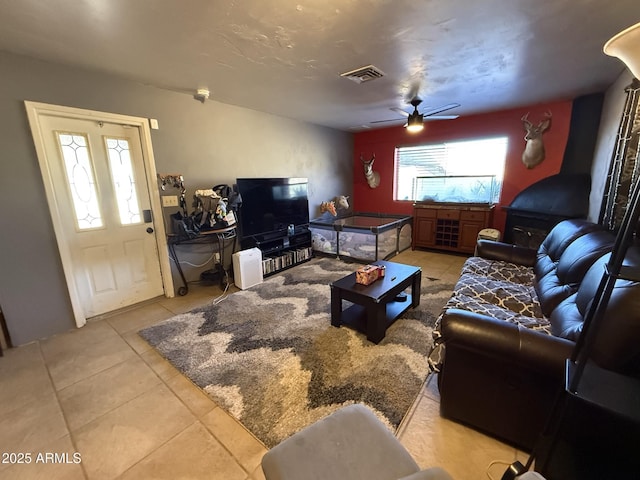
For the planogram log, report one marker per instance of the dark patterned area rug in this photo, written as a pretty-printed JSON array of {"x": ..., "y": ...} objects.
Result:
[{"x": 270, "y": 357}]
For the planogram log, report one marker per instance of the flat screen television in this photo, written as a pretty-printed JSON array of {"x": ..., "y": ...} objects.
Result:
[{"x": 272, "y": 204}]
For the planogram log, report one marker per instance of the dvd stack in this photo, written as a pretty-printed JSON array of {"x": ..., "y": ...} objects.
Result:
[{"x": 285, "y": 260}]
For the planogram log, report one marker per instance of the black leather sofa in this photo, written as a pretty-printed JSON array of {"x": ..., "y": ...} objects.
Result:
[{"x": 512, "y": 321}]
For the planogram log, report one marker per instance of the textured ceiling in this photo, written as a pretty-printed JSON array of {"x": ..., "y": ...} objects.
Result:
[{"x": 285, "y": 58}]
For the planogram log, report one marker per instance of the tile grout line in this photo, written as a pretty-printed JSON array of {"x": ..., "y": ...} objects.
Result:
[
  {"x": 197, "y": 418},
  {"x": 72, "y": 432},
  {"x": 64, "y": 416},
  {"x": 412, "y": 410},
  {"x": 135, "y": 398},
  {"x": 94, "y": 373}
]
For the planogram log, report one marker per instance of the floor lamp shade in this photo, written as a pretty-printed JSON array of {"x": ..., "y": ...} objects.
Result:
[{"x": 626, "y": 46}]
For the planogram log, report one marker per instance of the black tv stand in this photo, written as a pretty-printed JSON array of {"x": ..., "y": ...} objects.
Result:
[
  {"x": 266, "y": 237},
  {"x": 281, "y": 250}
]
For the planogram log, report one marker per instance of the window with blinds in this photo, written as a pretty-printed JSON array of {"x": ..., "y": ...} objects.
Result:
[{"x": 468, "y": 171}]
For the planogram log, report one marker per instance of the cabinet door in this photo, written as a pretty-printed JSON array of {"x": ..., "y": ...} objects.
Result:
[
  {"x": 469, "y": 235},
  {"x": 424, "y": 232}
]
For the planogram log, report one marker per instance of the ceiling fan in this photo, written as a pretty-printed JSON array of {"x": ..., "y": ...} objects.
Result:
[{"x": 415, "y": 119}]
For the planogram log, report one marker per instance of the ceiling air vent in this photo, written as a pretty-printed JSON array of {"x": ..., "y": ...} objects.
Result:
[{"x": 363, "y": 74}]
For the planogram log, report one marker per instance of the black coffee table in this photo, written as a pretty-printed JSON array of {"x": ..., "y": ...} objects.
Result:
[{"x": 376, "y": 306}]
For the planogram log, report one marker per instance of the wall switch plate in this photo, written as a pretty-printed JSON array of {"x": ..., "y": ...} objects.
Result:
[
  {"x": 154, "y": 124},
  {"x": 169, "y": 200}
]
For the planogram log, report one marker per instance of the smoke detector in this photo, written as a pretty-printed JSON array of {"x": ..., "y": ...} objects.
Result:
[
  {"x": 363, "y": 74},
  {"x": 202, "y": 94}
]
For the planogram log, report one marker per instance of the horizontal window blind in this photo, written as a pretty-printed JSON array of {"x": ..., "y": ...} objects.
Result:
[{"x": 463, "y": 171}]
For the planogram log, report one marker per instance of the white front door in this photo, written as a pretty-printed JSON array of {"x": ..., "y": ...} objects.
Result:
[{"x": 99, "y": 183}]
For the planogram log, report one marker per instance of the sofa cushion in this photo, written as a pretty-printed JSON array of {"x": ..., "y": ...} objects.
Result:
[
  {"x": 558, "y": 239},
  {"x": 475, "y": 304},
  {"x": 564, "y": 276},
  {"x": 498, "y": 270},
  {"x": 515, "y": 297},
  {"x": 616, "y": 347}
]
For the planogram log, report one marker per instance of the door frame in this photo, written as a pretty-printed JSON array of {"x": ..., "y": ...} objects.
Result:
[{"x": 34, "y": 111}]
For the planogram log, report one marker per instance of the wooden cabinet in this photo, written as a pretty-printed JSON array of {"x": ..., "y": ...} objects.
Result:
[
  {"x": 449, "y": 226},
  {"x": 424, "y": 227}
]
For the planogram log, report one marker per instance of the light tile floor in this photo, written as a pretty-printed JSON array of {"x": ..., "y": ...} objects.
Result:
[{"x": 103, "y": 394}]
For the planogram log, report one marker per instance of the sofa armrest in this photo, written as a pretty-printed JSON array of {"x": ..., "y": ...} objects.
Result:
[
  {"x": 498, "y": 377},
  {"x": 506, "y": 252},
  {"x": 491, "y": 337}
]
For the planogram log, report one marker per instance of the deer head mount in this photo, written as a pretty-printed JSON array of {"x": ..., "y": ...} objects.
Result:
[
  {"x": 373, "y": 178},
  {"x": 534, "y": 150}
]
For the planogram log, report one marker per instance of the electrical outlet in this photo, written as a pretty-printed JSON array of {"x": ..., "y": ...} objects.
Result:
[{"x": 169, "y": 200}]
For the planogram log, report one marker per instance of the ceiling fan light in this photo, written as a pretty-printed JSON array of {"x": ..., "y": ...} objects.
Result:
[{"x": 414, "y": 124}]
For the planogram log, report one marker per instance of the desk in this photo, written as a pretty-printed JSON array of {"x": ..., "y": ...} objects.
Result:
[{"x": 221, "y": 236}]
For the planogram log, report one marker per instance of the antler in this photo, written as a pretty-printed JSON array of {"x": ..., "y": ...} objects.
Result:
[
  {"x": 546, "y": 123},
  {"x": 373, "y": 157}
]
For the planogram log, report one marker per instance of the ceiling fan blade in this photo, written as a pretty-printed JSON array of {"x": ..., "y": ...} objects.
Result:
[
  {"x": 400, "y": 111},
  {"x": 389, "y": 120},
  {"x": 397, "y": 110},
  {"x": 440, "y": 117},
  {"x": 431, "y": 114},
  {"x": 443, "y": 108},
  {"x": 426, "y": 119}
]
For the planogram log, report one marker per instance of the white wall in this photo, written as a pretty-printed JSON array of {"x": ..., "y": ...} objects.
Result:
[
  {"x": 612, "y": 108},
  {"x": 208, "y": 143}
]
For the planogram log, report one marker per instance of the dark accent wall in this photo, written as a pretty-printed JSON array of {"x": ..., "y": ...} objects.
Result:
[{"x": 583, "y": 134}]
